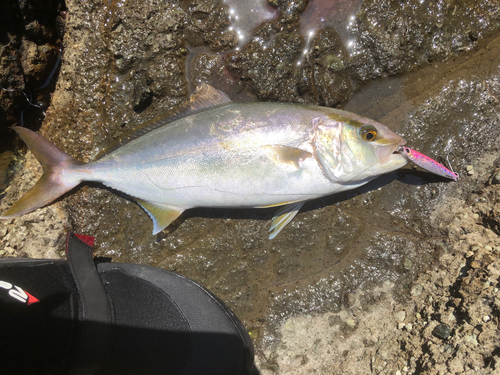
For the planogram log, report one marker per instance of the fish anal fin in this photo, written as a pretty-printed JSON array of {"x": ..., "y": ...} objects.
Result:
[
  {"x": 161, "y": 214},
  {"x": 287, "y": 155},
  {"x": 282, "y": 217}
]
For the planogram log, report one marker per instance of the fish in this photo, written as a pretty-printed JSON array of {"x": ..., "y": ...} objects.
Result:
[
  {"x": 425, "y": 162},
  {"x": 214, "y": 152}
]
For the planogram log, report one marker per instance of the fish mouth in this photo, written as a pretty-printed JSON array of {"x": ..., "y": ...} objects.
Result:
[{"x": 390, "y": 155}]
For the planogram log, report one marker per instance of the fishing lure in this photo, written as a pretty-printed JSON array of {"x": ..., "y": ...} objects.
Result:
[{"x": 427, "y": 163}]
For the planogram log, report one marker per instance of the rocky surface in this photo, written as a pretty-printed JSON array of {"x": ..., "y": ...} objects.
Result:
[{"x": 445, "y": 323}]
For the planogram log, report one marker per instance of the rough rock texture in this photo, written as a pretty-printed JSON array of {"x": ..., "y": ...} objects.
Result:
[
  {"x": 29, "y": 50},
  {"x": 405, "y": 35},
  {"x": 445, "y": 323}
]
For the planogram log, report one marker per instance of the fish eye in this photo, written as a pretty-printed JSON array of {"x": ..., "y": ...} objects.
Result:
[{"x": 368, "y": 133}]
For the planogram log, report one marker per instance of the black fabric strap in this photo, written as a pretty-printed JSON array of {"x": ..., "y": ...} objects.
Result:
[{"x": 95, "y": 309}]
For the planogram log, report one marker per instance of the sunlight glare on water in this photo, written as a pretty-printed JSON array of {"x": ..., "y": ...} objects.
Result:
[{"x": 245, "y": 16}]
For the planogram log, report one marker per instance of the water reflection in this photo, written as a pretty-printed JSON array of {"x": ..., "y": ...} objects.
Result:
[{"x": 245, "y": 16}]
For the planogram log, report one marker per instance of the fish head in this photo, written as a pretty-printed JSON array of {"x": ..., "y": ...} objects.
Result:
[{"x": 350, "y": 148}]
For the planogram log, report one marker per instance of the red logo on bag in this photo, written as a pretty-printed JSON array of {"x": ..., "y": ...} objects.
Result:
[{"x": 18, "y": 293}]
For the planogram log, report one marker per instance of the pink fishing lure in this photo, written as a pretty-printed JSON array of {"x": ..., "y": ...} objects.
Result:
[{"x": 427, "y": 163}]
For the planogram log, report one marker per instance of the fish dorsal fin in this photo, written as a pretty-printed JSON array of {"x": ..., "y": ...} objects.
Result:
[
  {"x": 161, "y": 214},
  {"x": 287, "y": 155},
  {"x": 283, "y": 216},
  {"x": 205, "y": 97}
]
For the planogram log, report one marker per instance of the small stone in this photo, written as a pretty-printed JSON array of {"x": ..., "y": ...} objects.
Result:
[
  {"x": 401, "y": 325},
  {"x": 442, "y": 331},
  {"x": 418, "y": 316},
  {"x": 417, "y": 290},
  {"x": 470, "y": 170},
  {"x": 471, "y": 339},
  {"x": 468, "y": 254},
  {"x": 475, "y": 264},
  {"x": 400, "y": 316},
  {"x": 350, "y": 323},
  {"x": 409, "y": 327},
  {"x": 488, "y": 247},
  {"x": 475, "y": 216},
  {"x": 2, "y": 253},
  {"x": 398, "y": 372},
  {"x": 486, "y": 318}
]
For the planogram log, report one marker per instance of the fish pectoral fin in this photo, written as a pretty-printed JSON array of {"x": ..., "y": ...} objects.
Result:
[
  {"x": 287, "y": 155},
  {"x": 283, "y": 216},
  {"x": 161, "y": 214}
]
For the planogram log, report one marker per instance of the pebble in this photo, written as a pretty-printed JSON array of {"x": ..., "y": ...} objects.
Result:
[
  {"x": 442, "y": 331},
  {"x": 409, "y": 327},
  {"x": 486, "y": 318},
  {"x": 470, "y": 170},
  {"x": 471, "y": 339},
  {"x": 488, "y": 247},
  {"x": 400, "y": 316},
  {"x": 401, "y": 325},
  {"x": 468, "y": 254},
  {"x": 417, "y": 290},
  {"x": 475, "y": 216}
]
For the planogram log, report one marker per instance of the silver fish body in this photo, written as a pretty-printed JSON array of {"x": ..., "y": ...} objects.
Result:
[{"x": 245, "y": 155}]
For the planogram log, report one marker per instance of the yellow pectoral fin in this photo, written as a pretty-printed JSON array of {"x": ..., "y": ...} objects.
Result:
[
  {"x": 161, "y": 214},
  {"x": 282, "y": 217},
  {"x": 286, "y": 155}
]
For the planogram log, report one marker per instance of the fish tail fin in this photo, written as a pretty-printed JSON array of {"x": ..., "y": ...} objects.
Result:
[{"x": 53, "y": 183}]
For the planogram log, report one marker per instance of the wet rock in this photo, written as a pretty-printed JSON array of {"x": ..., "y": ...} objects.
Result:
[
  {"x": 203, "y": 68},
  {"x": 442, "y": 331},
  {"x": 270, "y": 71},
  {"x": 29, "y": 47},
  {"x": 274, "y": 72},
  {"x": 142, "y": 95},
  {"x": 328, "y": 62},
  {"x": 209, "y": 25},
  {"x": 391, "y": 39}
]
